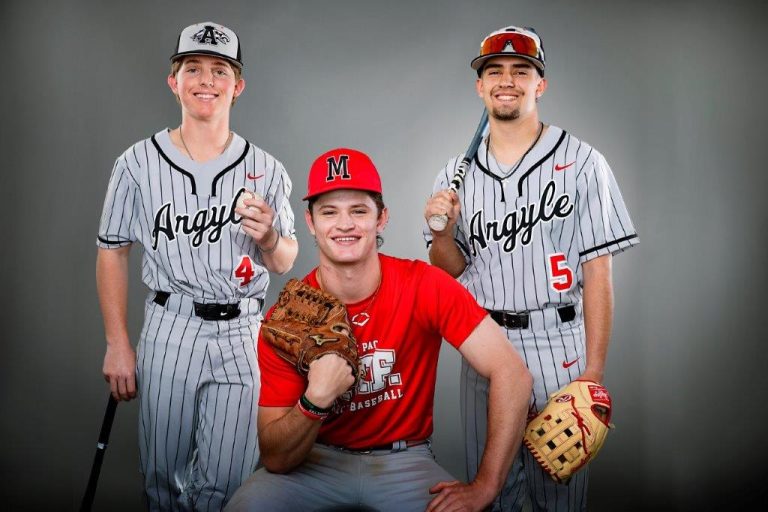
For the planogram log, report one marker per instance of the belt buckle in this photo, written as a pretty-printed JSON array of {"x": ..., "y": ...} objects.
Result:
[
  {"x": 349, "y": 450},
  {"x": 213, "y": 311},
  {"x": 394, "y": 447},
  {"x": 515, "y": 320}
]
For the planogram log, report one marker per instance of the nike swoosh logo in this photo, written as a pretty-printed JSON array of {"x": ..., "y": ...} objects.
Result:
[
  {"x": 568, "y": 364},
  {"x": 559, "y": 167},
  {"x": 252, "y": 177}
]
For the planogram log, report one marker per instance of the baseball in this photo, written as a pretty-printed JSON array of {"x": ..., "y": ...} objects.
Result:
[
  {"x": 438, "y": 222},
  {"x": 247, "y": 195}
]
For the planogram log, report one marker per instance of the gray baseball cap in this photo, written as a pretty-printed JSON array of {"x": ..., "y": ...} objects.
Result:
[{"x": 209, "y": 38}]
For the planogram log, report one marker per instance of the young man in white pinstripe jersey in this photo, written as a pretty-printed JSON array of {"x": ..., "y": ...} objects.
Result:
[
  {"x": 183, "y": 195},
  {"x": 531, "y": 234}
]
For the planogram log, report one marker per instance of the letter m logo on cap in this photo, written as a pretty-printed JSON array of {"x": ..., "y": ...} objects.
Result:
[
  {"x": 333, "y": 170},
  {"x": 338, "y": 168}
]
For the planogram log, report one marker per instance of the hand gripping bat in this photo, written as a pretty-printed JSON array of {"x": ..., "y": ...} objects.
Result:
[{"x": 101, "y": 447}]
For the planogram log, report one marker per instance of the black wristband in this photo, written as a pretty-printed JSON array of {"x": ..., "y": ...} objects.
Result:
[{"x": 304, "y": 401}]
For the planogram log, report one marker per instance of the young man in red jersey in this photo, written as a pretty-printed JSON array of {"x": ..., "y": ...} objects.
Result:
[{"x": 373, "y": 451}]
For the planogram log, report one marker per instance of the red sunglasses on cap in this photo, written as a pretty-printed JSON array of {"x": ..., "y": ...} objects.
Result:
[{"x": 512, "y": 41}]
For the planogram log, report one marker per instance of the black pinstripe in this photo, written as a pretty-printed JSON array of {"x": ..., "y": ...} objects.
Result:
[
  {"x": 149, "y": 217},
  {"x": 151, "y": 414},
  {"x": 589, "y": 210},
  {"x": 252, "y": 463},
  {"x": 112, "y": 177},
  {"x": 189, "y": 443},
  {"x": 156, "y": 415},
  {"x": 237, "y": 418},
  {"x": 170, "y": 401},
  {"x": 141, "y": 357},
  {"x": 223, "y": 426}
]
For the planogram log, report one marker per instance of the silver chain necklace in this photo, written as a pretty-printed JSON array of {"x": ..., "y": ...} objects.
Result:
[
  {"x": 519, "y": 162},
  {"x": 181, "y": 136}
]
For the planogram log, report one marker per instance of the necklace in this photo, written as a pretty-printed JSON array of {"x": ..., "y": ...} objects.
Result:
[
  {"x": 181, "y": 136},
  {"x": 519, "y": 162},
  {"x": 360, "y": 318}
]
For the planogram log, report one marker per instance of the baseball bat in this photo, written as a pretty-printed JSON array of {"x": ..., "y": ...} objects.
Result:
[
  {"x": 438, "y": 222},
  {"x": 101, "y": 447}
]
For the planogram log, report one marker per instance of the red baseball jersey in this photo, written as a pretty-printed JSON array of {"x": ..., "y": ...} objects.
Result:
[{"x": 398, "y": 331}]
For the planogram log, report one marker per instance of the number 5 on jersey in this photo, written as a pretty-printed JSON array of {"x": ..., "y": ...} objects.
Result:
[
  {"x": 244, "y": 270},
  {"x": 560, "y": 274}
]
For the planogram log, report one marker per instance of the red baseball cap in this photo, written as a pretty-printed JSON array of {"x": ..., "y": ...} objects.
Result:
[{"x": 342, "y": 168}]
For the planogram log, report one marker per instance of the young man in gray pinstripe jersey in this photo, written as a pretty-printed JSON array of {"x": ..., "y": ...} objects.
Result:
[
  {"x": 184, "y": 195},
  {"x": 531, "y": 234}
]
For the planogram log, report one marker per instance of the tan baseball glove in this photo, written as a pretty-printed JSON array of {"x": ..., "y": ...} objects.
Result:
[
  {"x": 571, "y": 429},
  {"x": 308, "y": 323}
]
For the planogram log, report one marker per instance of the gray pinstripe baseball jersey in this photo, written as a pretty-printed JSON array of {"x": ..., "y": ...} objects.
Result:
[
  {"x": 197, "y": 379},
  {"x": 525, "y": 235},
  {"x": 182, "y": 213},
  {"x": 525, "y": 232}
]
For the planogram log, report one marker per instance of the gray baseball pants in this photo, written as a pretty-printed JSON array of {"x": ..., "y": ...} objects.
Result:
[
  {"x": 332, "y": 479},
  {"x": 198, "y": 388}
]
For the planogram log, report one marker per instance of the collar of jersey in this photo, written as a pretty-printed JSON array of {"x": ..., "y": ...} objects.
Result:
[
  {"x": 549, "y": 142},
  {"x": 223, "y": 163}
]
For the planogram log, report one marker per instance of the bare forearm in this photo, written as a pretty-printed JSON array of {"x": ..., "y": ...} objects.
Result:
[
  {"x": 508, "y": 398},
  {"x": 112, "y": 286},
  {"x": 598, "y": 314},
  {"x": 120, "y": 359},
  {"x": 285, "y": 442},
  {"x": 286, "y": 435},
  {"x": 281, "y": 260},
  {"x": 445, "y": 253},
  {"x": 493, "y": 357}
]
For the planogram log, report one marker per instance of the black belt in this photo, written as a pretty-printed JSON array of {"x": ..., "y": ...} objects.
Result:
[
  {"x": 397, "y": 446},
  {"x": 210, "y": 311},
  {"x": 521, "y": 320}
]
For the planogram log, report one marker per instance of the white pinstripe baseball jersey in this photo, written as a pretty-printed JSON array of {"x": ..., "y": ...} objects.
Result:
[
  {"x": 524, "y": 235},
  {"x": 182, "y": 213}
]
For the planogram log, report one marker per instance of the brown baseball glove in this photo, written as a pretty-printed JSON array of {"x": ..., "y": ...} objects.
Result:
[
  {"x": 308, "y": 323},
  {"x": 571, "y": 429}
]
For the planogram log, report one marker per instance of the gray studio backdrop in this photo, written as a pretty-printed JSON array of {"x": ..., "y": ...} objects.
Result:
[{"x": 671, "y": 92}]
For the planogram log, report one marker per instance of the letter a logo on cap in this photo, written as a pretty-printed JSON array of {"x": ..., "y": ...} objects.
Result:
[
  {"x": 209, "y": 35},
  {"x": 338, "y": 168}
]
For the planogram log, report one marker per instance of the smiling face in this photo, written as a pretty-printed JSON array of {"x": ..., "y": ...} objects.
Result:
[
  {"x": 509, "y": 86},
  {"x": 206, "y": 86},
  {"x": 345, "y": 224}
]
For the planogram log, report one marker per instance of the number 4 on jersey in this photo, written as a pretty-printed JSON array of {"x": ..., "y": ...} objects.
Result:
[
  {"x": 560, "y": 274},
  {"x": 244, "y": 270}
]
